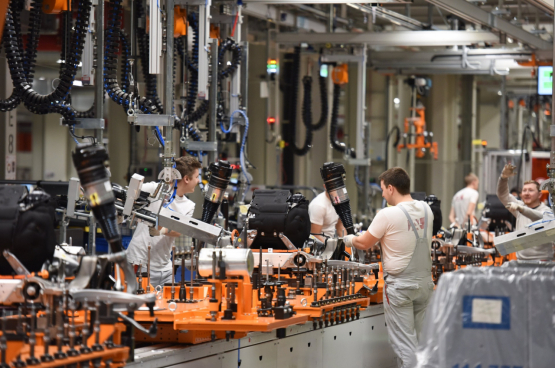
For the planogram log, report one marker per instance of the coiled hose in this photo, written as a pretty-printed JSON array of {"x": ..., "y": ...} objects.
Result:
[
  {"x": 228, "y": 45},
  {"x": 31, "y": 50},
  {"x": 293, "y": 119},
  {"x": 151, "y": 80},
  {"x": 110, "y": 65},
  {"x": 53, "y": 102},
  {"x": 337, "y": 145},
  {"x": 307, "y": 103}
]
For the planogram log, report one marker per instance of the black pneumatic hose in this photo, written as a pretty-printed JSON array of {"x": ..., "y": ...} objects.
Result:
[
  {"x": 110, "y": 65},
  {"x": 31, "y": 50},
  {"x": 307, "y": 103},
  {"x": 293, "y": 119},
  {"x": 54, "y": 102},
  {"x": 337, "y": 145}
]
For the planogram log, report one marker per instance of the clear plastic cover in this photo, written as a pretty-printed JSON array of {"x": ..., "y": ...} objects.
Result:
[{"x": 491, "y": 317}]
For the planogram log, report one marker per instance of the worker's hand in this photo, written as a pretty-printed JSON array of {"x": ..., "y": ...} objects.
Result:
[
  {"x": 153, "y": 231},
  {"x": 348, "y": 240},
  {"x": 120, "y": 219},
  {"x": 508, "y": 171},
  {"x": 513, "y": 206}
]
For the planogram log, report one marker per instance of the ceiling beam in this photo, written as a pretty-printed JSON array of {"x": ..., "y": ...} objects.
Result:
[
  {"x": 400, "y": 38},
  {"x": 474, "y": 14}
]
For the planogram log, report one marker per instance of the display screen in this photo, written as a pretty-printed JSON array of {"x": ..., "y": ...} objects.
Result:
[{"x": 545, "y": 80}]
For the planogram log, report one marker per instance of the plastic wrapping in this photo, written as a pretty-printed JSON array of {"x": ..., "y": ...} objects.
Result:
[{"x": 491, "y": 317}]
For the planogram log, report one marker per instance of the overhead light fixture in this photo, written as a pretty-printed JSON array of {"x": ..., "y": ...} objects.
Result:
[
  {"x": 78, "y": 83},
  {"x": 396, "y": 101},
  {"x": 499, "y": 93}
]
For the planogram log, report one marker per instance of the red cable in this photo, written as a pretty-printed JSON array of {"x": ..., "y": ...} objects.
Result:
[{"x": 235, "y": 24}]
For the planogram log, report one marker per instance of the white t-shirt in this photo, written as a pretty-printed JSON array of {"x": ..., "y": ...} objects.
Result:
[
  {"x": 322, "y": 213},
  {"x": 161, "y": 246},
  {"x": 396, "y": 236},
  {"x": 460, "y": 203}
]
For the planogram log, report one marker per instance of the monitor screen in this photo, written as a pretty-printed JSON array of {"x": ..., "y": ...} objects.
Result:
[{"x": 545, "y": 80}]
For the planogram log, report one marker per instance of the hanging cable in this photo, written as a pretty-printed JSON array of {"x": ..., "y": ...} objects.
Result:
[
  {"x": 293, "y": 110},
  {"x": 53, "y": 102},
  {"x": 307, "y": 103},
  {"x": 397, "y": 139},
  {"x": 337, "y": 145}
]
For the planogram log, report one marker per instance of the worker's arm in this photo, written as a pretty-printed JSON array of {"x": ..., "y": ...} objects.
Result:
[
  {"x": 452, "y": 217},
  {"x": 532, "y": 214},
  {"x": 503, "y": 187},
  {"x": 365, "y": 241},
  {"x": 340, "y": 229},
  {"x": 317, "y": 229},
  {"x": 470, "y": 211}
]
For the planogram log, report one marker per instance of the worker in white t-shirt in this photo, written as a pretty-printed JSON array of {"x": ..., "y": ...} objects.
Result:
[
  {"x": 160, "y": 239},
  {"x": 404, "y": 231},
  {"x": 324, "y": 218},
  {"x": 464, "y": 202}
]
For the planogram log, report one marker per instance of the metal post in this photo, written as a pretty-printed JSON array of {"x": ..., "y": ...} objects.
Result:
[
  {"x": 91, "y": 249},
  {"x": 551, "y": 167},
  {"x": 503, "y": 126},
  {"x": 99, "y": 77},
  {"x": 168, "y": 76},
  {"x": 213, "y": 99}
]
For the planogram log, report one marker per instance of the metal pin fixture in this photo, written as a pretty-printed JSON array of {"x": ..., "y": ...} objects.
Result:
[
  {"x": 96, "y": 329},
  {"x": 140, "y": 290},
  {"x": 60, "y": 332},
  {"x": 214, "y": 260},
  {"x": 182, "y": 290},
  {"x": 279, "y": 273},
  {"x": 72, "y": 334},
  {"x": 32, "y": 360},
  {"x": 173, "y": 274},
  {"x": 3, "y": 342},
  {"x": 191, "y": 290},
  {"x": 267, "y": 271},
  {"x": 85, "y": 332},
  {"x": 148, "y": 271},
  {"x": 19, "y": 329},
  {"x": 46, "y": 357}
]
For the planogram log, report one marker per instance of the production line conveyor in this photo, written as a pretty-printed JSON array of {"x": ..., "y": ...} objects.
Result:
[{"x": 359, "y": 343}]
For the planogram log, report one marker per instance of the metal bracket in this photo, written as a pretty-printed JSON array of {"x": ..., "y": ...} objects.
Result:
[
  {"x": 72, "y": 196},
  {"x": 87, "y": 123},
  {"x": 133, "y": 193},
  {"x": 200, "y": 146},
  {"x": 287, "y": 242},
  {"x": 359, "y": 161},
  {"x": 151, "y": 120},
  {"x": 17, "y": 266}
]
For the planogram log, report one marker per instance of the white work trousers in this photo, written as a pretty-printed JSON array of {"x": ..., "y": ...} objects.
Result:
[
  {"x": 159, "y": 277},
  {"x": 405, "y": 302}
]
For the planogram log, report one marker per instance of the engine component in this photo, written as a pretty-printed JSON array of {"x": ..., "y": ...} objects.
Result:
[
  {"x": 89, "y": 162},
  {"x": 334, "y": 180},
  {"x": 220, "y": 173},
  {"x": 230, "y": 262}
]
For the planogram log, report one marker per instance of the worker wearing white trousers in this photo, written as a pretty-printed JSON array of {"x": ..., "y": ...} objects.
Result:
[{"x": 404, "y": 231}]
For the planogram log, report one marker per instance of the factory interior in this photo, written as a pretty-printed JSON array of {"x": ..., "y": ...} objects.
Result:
[{"x": 281, "y": 183}]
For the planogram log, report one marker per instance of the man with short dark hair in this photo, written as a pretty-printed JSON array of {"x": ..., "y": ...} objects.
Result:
[
  {"x": 526, "y": 211},
  {"x": 161, "y": 239},
  {"x": 404, "y": 231},
  {"x": 464, "y": 202}
]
